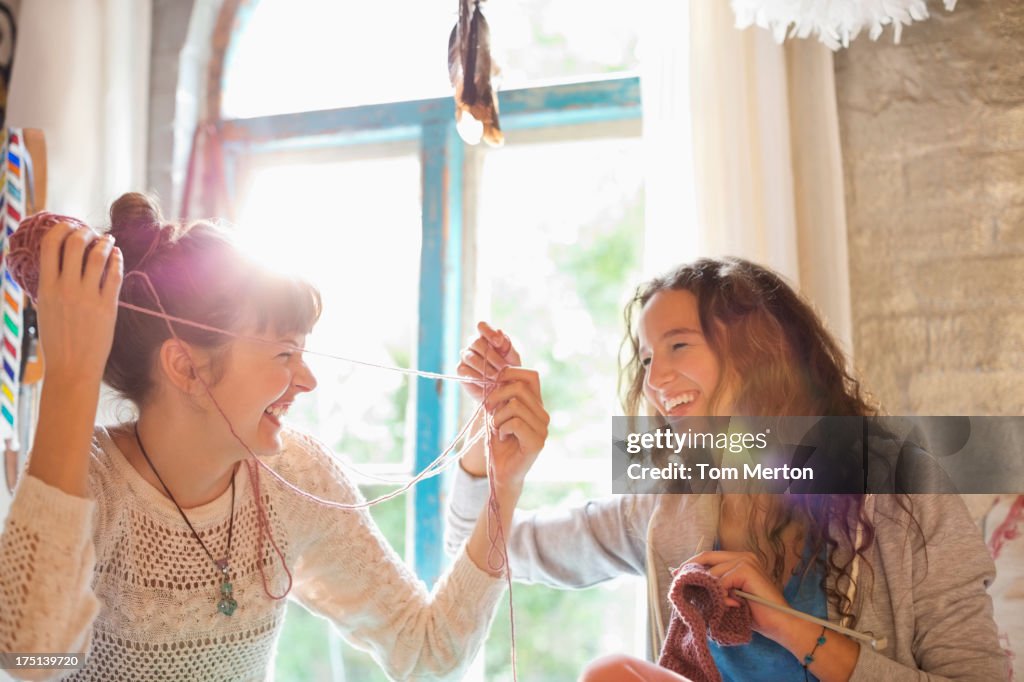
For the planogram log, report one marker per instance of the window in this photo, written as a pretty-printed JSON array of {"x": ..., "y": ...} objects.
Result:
[
  {"x": 558, "y": 218},
  {"x": 363, "y": 184},
  {"x": 374, "y": 52},
  {"x": 349, "y": 220}
]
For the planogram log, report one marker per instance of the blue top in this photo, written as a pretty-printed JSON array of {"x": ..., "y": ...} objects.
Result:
[{"x": 764, "y": 660}]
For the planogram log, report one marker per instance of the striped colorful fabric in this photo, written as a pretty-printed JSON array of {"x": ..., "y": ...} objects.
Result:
[{"x": 12, "y": 209}]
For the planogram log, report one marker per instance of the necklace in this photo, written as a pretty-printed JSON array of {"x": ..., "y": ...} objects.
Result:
[{"x": 227, "y": 603}]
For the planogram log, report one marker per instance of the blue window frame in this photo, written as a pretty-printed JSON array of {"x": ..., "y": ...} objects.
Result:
[{"x": 431, "y": 123}]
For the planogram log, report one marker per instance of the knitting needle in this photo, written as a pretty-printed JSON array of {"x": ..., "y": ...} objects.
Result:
[{"x": 876, "y": 644}]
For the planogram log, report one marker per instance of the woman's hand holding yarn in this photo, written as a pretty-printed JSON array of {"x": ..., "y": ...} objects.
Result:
[
  {"x": 80, "y": 276},
  {"x": 520, "y": 425},
  {"x": 482, "y": 360},
  {"x": 486, "y": 355}
]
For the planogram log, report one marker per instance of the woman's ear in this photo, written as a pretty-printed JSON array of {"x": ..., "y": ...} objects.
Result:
[{"x": 178, "y": 362}]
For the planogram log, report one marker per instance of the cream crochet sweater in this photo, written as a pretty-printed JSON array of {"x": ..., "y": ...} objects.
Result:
[{"x": 120, "y": 576}]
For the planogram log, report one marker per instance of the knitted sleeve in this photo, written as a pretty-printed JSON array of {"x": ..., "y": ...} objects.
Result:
[
  {"x": 563, "y": 547},
  {"x": 347, "y": 572},
  {"x": 46, "y": 567},
  {"x": 954, "y": 634}
]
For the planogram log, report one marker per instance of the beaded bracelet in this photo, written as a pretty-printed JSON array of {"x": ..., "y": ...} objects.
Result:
[{"x": 809, "y": 658}]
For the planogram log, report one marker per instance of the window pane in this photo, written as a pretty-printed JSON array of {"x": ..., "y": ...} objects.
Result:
[
  {"x": 559, "y": 243},
  {"x": 353, "y": 228},
  {"x": 544, "y": 40},
  {"x": 307, "y": 55},
  {"x": 559, "y": 256},
  {"x": 590, "y": 623}
]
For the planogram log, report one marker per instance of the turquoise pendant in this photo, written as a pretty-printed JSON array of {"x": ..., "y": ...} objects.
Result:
[
  {"x": 227, "y": 606},
  {"x": 227, "y": 603}
]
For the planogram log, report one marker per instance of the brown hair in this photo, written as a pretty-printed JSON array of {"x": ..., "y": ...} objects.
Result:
[
  {"x": 778, "y": 359},
  {"x": 200, "y": 275},
  {"x": 769, "y": 342}
]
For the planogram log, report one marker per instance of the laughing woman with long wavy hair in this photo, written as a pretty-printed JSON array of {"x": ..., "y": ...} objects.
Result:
[{"x": 729, "y": 337}]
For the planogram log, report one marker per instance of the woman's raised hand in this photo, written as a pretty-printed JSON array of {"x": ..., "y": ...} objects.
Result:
[
  {"x": 77, "y": 302},
  {"x": 520, "y": 422},
  {"x": 520, "y": 425},
  {"x": 486, "y": 355}
]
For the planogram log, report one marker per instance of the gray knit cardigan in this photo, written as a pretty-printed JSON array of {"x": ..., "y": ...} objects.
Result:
[{"x": 927, "y": 599}]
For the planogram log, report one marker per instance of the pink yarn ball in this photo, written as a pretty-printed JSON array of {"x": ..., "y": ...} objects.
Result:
[{"x": 23, "y": 256}]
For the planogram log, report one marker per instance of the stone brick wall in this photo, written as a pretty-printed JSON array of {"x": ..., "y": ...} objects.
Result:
[{"x": 933, "y": 153}]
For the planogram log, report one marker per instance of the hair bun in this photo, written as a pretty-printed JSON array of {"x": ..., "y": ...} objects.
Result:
[
  {"x": 138, "y": 226},
  {"x": 134, "y": 211}
]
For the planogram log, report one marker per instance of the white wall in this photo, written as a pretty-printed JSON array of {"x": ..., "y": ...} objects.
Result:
[{"x": 81, "y": 74}]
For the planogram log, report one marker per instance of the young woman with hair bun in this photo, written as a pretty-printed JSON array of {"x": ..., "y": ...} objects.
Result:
[{"x": 152, "y": 547}]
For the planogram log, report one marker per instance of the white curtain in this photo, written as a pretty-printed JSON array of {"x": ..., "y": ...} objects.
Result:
[{"x": 742, "y": 150}]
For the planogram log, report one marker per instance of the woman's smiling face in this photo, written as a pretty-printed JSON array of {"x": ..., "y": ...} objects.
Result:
[
  {"x": 259, "y": 385},
  {"x": 681, "y": 371}
]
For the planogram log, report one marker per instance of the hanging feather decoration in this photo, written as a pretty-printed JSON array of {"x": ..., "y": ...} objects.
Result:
[
  {"x": 470, "y": 69},
  {"x": 834, "y": 22}
]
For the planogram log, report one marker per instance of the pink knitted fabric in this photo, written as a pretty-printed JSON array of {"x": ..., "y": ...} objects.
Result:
[{"x": 698, "y": 601}]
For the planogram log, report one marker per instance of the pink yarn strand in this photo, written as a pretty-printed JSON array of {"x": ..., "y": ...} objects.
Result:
[
  {"x": 436, "y": 471},
  {"x": 497, "y": 538},
  {"x": 263, "y": 524},
  {"x": 205, "y": 327},
  {"x": 426, "y": 473}
]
